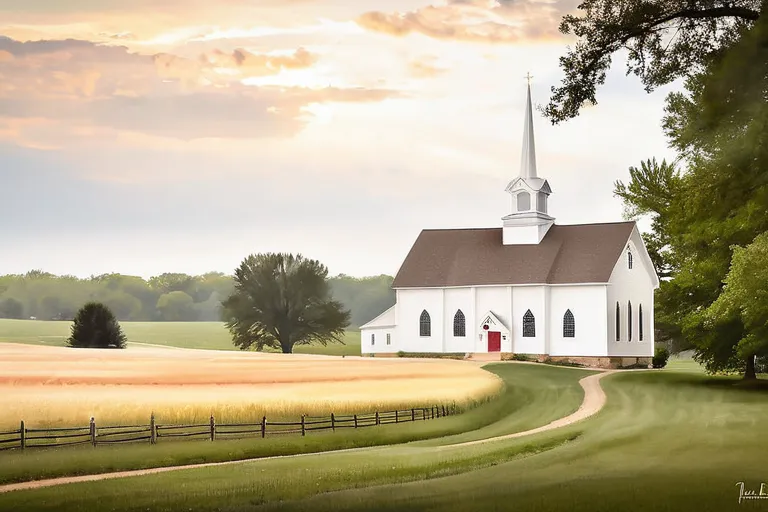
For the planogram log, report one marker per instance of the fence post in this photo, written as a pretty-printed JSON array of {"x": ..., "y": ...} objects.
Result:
[
  {"x": 263, "y": 426},
  {"x": 424, "y": 414},
  {"x": 377, "y": 418},
  {"x": 443, "y": 409},
  {"x": 413, "y": 415},
  {"x": 93, "y": 431},
  {"x": 303, "y": 430},
  {"x": 355, "y": 420},
  {"x": 396, "y": 418},
  {"x": 152, "y": 429},
  {"x": 333, "y": 422},
  {"x": 433, "y": 413},
  {"x": 23, "y": 438},
  {"x": 213, "y": 428}
]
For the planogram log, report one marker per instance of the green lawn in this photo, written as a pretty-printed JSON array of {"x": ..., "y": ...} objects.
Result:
[
  {"x": 200, "y": 335},
  {"x": 666, "y": 441},
  {"x": 532, "y": 396}
]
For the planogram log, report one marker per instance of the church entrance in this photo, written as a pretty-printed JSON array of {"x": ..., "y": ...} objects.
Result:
[{"x": 494, "y": 341}]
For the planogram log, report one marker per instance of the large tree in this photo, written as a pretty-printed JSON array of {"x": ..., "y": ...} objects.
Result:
[
  {"x": 744, "y": 300},
  {"x": 720, "y": 128},
  {"x": 280, "y": 301},
  {"x": 664, "y": 40}
]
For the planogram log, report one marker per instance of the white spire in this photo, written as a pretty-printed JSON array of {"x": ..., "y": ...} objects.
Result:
[{"x": 528, "y": 159}]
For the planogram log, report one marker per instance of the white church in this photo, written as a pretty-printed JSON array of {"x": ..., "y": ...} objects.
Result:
[{"x": 578, "y": 293}]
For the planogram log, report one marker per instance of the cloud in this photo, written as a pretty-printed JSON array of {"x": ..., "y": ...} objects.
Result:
[
  {"x": 479, "y": 21},
  {"x": 82, "y": 85},
  {"x": 163, "y": 24},
  {"x": 217, "y": 66},
  {"x": 426, "y": 67},
  {"x": 252, "y": 64}
]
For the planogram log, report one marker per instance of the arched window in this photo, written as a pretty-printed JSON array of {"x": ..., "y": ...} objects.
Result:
[
  {"x": 523, "y": 201},
  {"x": 569, "y": 325},
  {"x": 640, "y": 322},
  {"x": 425, "y": 325},
  {"x": 629, "y": 260},
  {"x": 618, "y": 322},
  {"x": 629, "y": 321},
  {"x": 529, "y": 325},
  {"x": 459, "y": 324}
]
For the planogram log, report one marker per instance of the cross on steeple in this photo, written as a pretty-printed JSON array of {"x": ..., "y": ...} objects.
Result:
[{"x": 528, "y": 77}]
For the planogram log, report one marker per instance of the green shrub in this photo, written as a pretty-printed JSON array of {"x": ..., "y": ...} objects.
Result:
[
  {"x": 660, "y": 358},
  {"x": 95, "y": 326},
  {"x": 432, "y": 355},
  {"x": 552, "y": 362},
  {"x": 522, "y": 357}
]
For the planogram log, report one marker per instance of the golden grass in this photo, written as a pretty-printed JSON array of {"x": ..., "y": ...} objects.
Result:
[{"x": 57, "y": 386}]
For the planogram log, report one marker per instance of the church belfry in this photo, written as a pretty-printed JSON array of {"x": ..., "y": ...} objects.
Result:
[{"x": 529, "y": 221}]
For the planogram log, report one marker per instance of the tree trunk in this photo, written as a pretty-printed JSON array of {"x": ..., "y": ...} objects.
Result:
[
  {"x": 286, "y": 346},
  {"x": 749, "y": 374}
]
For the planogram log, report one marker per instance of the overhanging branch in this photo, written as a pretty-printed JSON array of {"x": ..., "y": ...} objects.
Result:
[{"x": 717, "y": 12}]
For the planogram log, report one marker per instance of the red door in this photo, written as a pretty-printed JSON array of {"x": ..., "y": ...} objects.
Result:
[{"x": 494, "y": 342}]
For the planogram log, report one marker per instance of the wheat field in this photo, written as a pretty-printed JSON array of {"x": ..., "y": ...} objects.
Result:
[{"x": 59, "y": 386}]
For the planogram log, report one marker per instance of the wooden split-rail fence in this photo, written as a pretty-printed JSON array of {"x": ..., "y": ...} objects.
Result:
[{"x": 25, "y": 438}]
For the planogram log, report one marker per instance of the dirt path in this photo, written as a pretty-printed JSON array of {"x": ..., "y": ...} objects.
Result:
[{"x": 594, "y": 400}]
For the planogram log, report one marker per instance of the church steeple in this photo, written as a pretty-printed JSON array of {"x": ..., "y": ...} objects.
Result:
[
  {"x": 529, "y": 222},
  {"x": 528, "y": 158}
]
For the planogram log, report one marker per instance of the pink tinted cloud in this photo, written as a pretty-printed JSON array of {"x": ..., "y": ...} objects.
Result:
[
  {"x": 86, "y": 84},
  {"x": 478, "y": 21}
]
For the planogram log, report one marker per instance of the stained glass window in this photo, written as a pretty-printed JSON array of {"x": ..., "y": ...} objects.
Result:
[
  {"x": 459, "y": 324},
  {"x": 529, "y": 325},
  {"x": 425, "y": 324},
  {"x": 569, "y": 325}
]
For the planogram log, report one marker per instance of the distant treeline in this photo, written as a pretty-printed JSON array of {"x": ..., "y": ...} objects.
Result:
[{"x": 168, "y": 297}]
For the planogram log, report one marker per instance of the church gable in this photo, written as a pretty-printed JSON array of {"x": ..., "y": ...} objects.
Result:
[
  {"x": 530, "y": 184},
  {"x": 386, "y": 319},
  {"x": 491, "y": 322},
  {"x": 635, "y": 258}
]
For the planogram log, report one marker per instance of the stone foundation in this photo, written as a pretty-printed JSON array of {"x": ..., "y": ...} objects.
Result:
[
  {"x": 425, "y": 355},
  {"x": 589, "y": 361}
]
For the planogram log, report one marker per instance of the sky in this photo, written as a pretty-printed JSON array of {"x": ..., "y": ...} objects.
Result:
[{"x": 180, "y": 136}]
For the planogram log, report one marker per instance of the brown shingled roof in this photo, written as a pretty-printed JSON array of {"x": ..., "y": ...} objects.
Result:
[{"x": 584, "y": 253}]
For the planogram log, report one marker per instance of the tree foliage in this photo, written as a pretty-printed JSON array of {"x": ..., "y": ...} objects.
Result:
[
  {"x": 664, "y": 40},
  {"x": 366, "y": 297},
  {"x": 720, "y": 127},
  {"x": 95, "y": 326},
  {"x": 651, "y": 190},
  {"x": 744, "y": 299},
  {"x": 176, "y": 306},
  {"x": 281, "y": 301},
  {"x": 132, "y": 298},
  {"x": 11, "y": 308}
]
